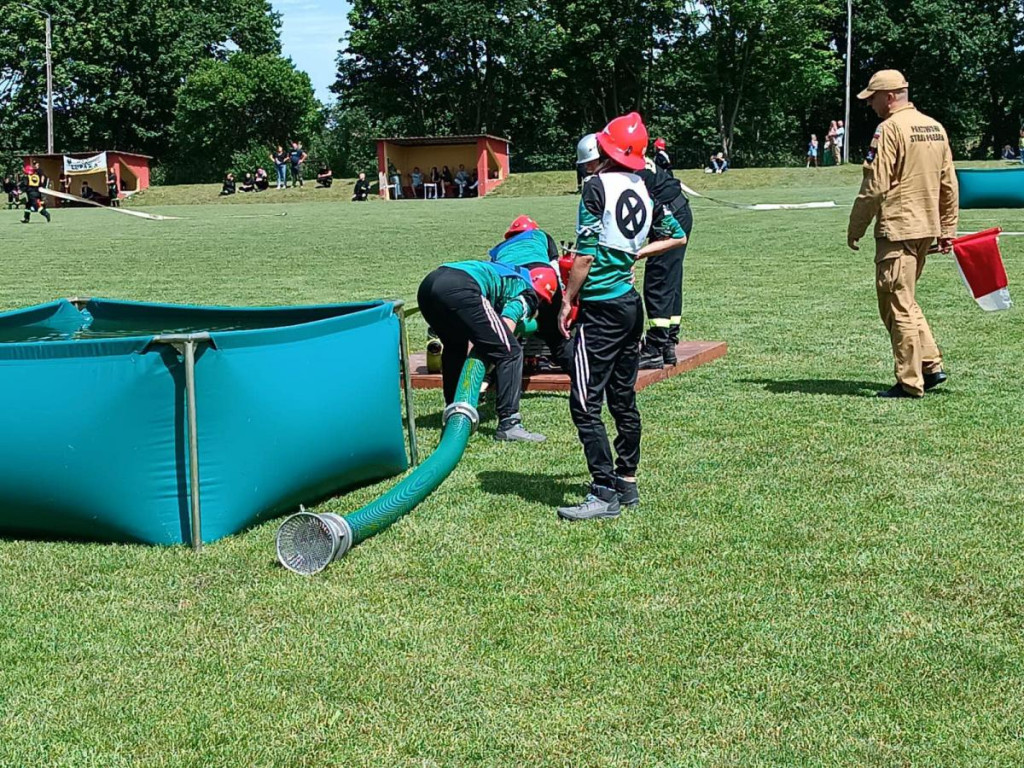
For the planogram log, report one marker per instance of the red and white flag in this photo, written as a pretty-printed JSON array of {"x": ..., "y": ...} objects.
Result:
[{"x": 981, "y": 267}]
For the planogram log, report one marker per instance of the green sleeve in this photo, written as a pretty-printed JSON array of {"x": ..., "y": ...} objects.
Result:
[
  {"x": 666, "y": 227},
  {"x": 588, "y": 227},
  {"x": 514, "y": 309}
]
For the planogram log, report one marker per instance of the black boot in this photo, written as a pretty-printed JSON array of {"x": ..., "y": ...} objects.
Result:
[
  {"x": 669, "y": 352},
  {"x": 651, "y": 357}
]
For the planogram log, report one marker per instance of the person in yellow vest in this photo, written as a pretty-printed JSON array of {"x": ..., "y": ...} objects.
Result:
[{"x": 911, "y": 191}]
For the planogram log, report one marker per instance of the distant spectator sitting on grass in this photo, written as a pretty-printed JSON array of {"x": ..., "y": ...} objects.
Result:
[
  {"x": 262, "y": 180},
  {"x": 1008, "y": 153},
  {"x": 718, "y": 164},
  {"x": 362, "y": 188},
  {"x": 228, "y": 188},
  {"x": 324, "y": 177},
  {"x": 248, "y": 185}
]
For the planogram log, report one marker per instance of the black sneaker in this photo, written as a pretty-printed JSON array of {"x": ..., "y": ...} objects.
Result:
[
  {"x": 932, "y": 380},
  {"x": 669, "y": 354},
  {"x": 651, "y": 358},
  {"x": 600, "y": 502},
  {"x": 628, "y": 494},
  {"x": 897, "y": 390}
]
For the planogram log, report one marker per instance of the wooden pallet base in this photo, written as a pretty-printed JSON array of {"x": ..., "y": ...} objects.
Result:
[{"x": 690, "y": 354}]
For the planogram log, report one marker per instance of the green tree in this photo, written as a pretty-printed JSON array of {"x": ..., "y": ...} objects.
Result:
[
  {"x": 245, "y": 103},
  {"x": 117, "y": 66}
]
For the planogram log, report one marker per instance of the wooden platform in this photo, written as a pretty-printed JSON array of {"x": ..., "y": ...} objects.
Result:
[{"x": 689, "y": 353}]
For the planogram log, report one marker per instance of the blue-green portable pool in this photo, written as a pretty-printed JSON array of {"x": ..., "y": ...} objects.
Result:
[
  {"x": 991, "y": 187},
  {"x": 291, "y": 404}
]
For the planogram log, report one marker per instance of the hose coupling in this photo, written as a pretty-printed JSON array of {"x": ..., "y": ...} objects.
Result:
[{"x": 465, "y": 409}]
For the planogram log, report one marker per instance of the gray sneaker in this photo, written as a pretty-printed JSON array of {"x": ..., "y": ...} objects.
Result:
[
  {"x": 628, "y": 494},
  {"x": 512, "y": 430},
  {"x": 600, "y": 502}
]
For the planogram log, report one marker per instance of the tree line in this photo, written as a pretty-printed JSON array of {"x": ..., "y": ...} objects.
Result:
[
  {"x": 753, "y": 78},
  {"x": 203, "y": 86}
]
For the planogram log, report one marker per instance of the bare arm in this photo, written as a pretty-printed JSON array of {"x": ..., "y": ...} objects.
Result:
[{"x": 660, "y": 246}]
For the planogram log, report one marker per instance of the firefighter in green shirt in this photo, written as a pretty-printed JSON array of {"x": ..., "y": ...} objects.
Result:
[
  {"x": 484, "y": 303},
  {"x": 616, "y": 215},
  {"x": 527, "y": 245}
]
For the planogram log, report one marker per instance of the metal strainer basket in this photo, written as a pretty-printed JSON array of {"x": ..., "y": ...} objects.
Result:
[{"x": 308, "y": 543}]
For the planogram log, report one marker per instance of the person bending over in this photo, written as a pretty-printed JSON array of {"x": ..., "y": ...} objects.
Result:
[
  {"x": 527, "y": 245},
  {"x": 324, "y": 177},
  {"x": 484, "y": 303}
]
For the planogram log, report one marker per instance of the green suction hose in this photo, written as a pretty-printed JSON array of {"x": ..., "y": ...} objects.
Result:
[{"x": 307, "y": 543}]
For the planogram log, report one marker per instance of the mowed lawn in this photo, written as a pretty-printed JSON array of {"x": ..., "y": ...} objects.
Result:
[{"x": 815, "y": 577}]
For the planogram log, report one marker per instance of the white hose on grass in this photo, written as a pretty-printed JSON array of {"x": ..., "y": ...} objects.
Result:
[{"x": 126, "y": 211}]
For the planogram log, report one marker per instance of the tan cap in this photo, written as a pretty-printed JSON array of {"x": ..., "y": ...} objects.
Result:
[{"x": 885, "y": 80}]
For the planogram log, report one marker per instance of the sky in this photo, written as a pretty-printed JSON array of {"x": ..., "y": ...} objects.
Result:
[{"x": 310, "y": 31}]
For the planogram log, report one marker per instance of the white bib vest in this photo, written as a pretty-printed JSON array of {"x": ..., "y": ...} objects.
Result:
[{"x": 628, "y": 212}]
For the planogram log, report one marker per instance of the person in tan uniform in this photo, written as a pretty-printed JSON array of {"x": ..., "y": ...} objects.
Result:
[{"x": 910, "y": 189}]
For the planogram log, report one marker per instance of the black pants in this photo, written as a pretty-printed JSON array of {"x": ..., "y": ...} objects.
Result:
[
  {"x": 458, "y": 312},
  {"x": 605, "y": 361},
  {"x": 360, "y": 196},
  {"x": 35, "y": 205},
  {"x": 663, "y": 288}
]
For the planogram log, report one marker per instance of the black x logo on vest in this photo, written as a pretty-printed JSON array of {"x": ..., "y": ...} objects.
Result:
[{"x": 630, "y": 214}]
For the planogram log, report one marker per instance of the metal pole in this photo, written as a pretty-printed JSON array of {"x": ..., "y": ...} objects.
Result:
[
  {"x": 410, "y": 409},
  {"x": 49, "y": 91},
  {"x": 193, "y": 442},
  {"x": 849, "y": 51},
  {"x": 49, "y": 77}
]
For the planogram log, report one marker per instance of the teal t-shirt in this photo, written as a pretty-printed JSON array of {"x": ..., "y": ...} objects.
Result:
[
  {"x": 526, "y": 249},
  {"x": 502, "y": 286},
  {"x": 611, "y": 272}
]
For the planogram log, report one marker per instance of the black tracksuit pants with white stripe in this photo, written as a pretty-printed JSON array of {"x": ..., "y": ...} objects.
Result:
[
  {"x": 458, "y": 312},
  {"x": 605, "y": 361}
]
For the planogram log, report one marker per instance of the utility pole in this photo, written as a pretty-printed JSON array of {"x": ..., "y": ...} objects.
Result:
[
  {"x": 849, "y": 52},
  {"x": 49, "y": 77}
]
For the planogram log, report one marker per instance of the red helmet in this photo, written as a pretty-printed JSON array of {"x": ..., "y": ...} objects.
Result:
[
  {"x": 659, "y": 143},
  {"x": 624, "y": 140},
  {"x": 521, "y": 224},
  {"x": 545, "y": 283}
]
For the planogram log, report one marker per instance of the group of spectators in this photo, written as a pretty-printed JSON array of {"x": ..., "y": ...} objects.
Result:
[
  {"x": 462, "y": 184},
  {"x": 835, "y": 139},
  {"x": 284, "y": 162},
  {"x": 1009, "y": 154}
]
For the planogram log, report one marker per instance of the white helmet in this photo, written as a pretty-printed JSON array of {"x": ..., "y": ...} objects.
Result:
[{"x": 587, "y": 149}]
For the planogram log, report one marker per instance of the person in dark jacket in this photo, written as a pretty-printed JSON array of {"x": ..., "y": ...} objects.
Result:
[{"x": 362, "y": 189}]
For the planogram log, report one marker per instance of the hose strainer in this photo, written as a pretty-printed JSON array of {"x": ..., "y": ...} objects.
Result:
[{"x": 308, "y": 543}]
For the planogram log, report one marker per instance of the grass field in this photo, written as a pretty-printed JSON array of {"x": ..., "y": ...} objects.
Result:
[{"x": 816, "y": 577}]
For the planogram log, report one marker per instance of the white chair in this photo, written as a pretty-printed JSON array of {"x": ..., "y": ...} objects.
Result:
[
  {"x": 383, "y": 181},
  {"x": 430, "y": 190}
]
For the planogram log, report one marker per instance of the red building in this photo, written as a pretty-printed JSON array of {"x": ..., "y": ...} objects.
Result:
[
  {"x": 487, "y": 154},
  {"x": 132, "y": 169}
]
